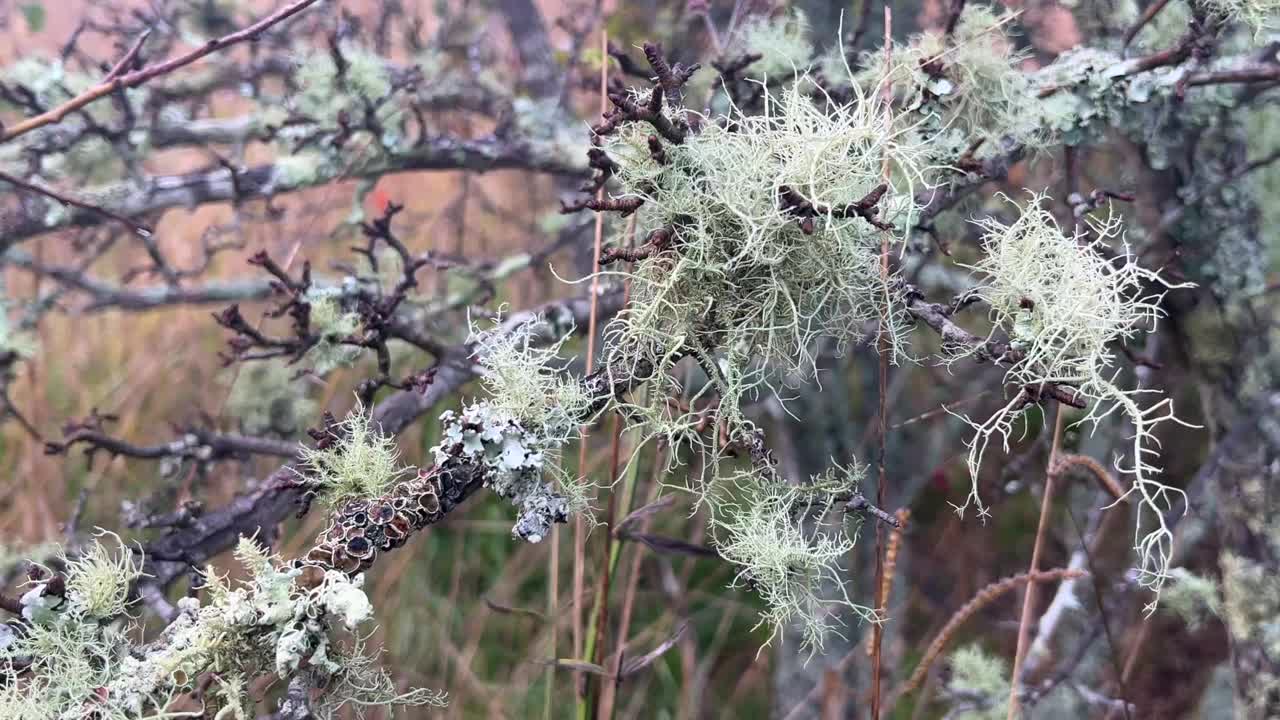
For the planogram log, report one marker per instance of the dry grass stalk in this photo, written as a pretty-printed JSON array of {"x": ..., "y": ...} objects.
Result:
[{"x": 985, "y": 597}]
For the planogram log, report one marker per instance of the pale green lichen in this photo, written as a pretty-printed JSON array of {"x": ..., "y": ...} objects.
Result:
[
  {"x": 956, "y": 90},
  {"x": 362, "y": 463},
  {"x": 78, "y": 659},
  {"x": 783, "y": 45},
  {"x": 788, "y": 543},
  {"x": 1251, "y": 601},
  {"x": 1166, "y": 28},
  {"x": 333, "y": 322},
  {"x": 324, "y": 93},
  {"x": 1191, "y": 597},
  {"x": 267, "y": 397},
  {"x": 746, "y": 287},
  {"x": 301, "y": 170},
  {"x": 1260, "y": 16},
  {"x": 1064, "y": 301},
  {"x": 21, "y": 343},
  {"x": 99, "y": 578},
  {"x": 982, "y": 681},
  {"x": 525, "y": 381},
  {"x": 1251, "y": 609}
]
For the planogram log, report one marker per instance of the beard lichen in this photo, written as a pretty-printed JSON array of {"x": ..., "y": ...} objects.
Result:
[
  {"x": 1064, "y": 302},
  {"x": 757, "y": 252},
  {"x": 957, "y": 89},
  {"x": 763, "y": 234},
  {"x": 267, "y": 397},
  {"x": 98, "y": 579},
  {"x": 788, "y": 542},
  {"x": 525, "y": 380}
]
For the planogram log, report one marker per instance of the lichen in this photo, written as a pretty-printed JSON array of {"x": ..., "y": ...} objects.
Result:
[
  {"x": 301, "y": 170},
  {"x": 79, "y": 657},
  {"x": 960, "y": 89},
  {"x": 267, "y": 397},
  {"x": 760, "y": 525},
  {"x": 742, "y": 281},
  {"x": 515, "y": 458},
  {"x": 982, "y": 680},
  {"x": 333, "y": 322},
  {"x": 359, "y": 462},
  {"x": 79, "y": 661},
  {"x": 99, "y": 579},
  {"x": 525, "y": 382},
  {"x": 783, "y": 45},
  {"x": 324, "y": 92},
  {"x": 1064, "y": 301},
  {"x": 1260, "y": 16},
  {"x": 1191, "y": 597}
]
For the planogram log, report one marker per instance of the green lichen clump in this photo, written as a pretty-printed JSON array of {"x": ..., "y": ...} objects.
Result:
[
  {"x": 268, "y": 398},
  {"x": 1251, "y": 609},
  {"x": 1191, "y": 597},
  {"x": 983, "y": 680},
  {"x": 78, "y": 659},
  {"x": 324, "y": 92},
  {"x": 525, "y": 382},
  {"x": 1260, "y": 16},
  {"x": 98, "y": 580},
  {"x": 1064, "y": 301},
  {"x": 14, "y": 340},
  {"x": 788, "y": 542},
  {"x": 783, "y": 45},
  {"x": 361, "y": 86},
  {"x": 333, "y": 322},
  {"x": 743, "y": 278},
  {"x": 361, "y": 463},
  {"x": 753, "y": 253},
  {"x": 956, "y": 90}
]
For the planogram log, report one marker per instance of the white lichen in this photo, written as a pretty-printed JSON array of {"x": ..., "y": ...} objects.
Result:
[{"x": 1064, "y": 302}]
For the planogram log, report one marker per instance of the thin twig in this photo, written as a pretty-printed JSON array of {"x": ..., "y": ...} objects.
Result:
[
  {"x": 579, "y": 530},
  {"x": 1147, "y": 16},
  {"x": 1029, "y": 596},
  {"x": 129, "y": 57},
  {"x": 57, "y": 196},
  {"x": 883, "y": 347},
  {"x": 151, "y": 72}
]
